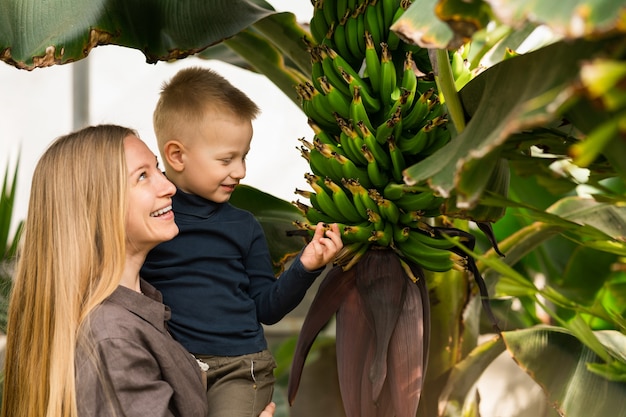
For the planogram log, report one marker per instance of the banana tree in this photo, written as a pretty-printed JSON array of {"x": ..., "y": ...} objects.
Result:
[{"x": 507, "y": 139}]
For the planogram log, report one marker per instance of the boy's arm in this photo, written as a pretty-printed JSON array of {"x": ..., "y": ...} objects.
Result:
[{"x": 274, "y": 298}]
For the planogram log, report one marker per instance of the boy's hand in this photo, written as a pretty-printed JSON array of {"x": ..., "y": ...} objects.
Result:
[{"x": 323, "y": 247}]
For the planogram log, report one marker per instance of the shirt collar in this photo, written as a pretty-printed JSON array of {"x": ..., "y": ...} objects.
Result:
[{"x": 149, "y": 305}]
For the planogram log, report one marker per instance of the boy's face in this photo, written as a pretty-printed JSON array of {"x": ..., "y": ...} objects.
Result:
[{"x": 215, "y": 161}]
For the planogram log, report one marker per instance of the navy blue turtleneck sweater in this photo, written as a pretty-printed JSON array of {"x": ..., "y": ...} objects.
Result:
[{"x": 217, "y": 278}]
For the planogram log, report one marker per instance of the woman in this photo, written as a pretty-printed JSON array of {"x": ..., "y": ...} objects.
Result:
[{"x": 86, "y": 336}]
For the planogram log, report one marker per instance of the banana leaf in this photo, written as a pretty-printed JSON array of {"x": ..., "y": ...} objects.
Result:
[
  {"x": 561, "y": 364},
  {"x": 62, "y": 31}
]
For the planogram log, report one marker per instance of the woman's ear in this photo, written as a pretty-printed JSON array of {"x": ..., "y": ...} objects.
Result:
[{"x": 173, "y": 152}]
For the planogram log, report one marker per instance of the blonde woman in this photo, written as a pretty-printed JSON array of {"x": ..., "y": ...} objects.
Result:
[{"x": 86, "y": 336}]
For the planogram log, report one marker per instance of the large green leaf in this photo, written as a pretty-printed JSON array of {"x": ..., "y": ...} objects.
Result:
[
  {"x": 571, "y": 19},
  {"x": 276, "y": 216},
  {"x": 35, "y": 33},
  {"x": 500, "y": 104},
  {"x": 560, "y": 364}
]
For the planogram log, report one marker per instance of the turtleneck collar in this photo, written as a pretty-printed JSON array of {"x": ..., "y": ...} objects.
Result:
[{"x": 193, "y": 205}]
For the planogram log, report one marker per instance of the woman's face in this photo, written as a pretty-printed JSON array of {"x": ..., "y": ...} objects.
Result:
[{"x": 149, "y": 215}]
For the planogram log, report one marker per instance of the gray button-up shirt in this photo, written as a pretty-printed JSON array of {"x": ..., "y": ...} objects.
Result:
[{"x": 139, "y": 369}]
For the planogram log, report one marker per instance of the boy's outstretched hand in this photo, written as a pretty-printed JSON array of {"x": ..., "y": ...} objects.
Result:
[{"x": 323, "y": 247}]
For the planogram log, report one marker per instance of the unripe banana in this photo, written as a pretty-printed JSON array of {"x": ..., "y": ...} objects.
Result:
[
  {"x": 352, "y": 171},
  {"x": 325, "y": 201},
  {"x": 436, "y": 260},
  {"x": 343, "y": 202},
  {"x": 388, "y": 127},
  {"x": 337, "y": 101},
  {"x": 358, "y": 113},
  {"x": 415, "y": 117},
  {"x": 372, "y": 62},
  {"x": 383, "y": 237},
  {"x": 417, "y": 143},
  {"x": 379, "y": 153},
  {"x": 330, "y": 71},
  {"x": 395, "y": 190},
  {"x": 378, "y": 176},
  {"x": 424, "y": 200},
  {"x": 340, "y": 37},
  {"x": 388, "y": 210},
  {"x": 372, "y": 23},
  {"x": 351, "y": 142},
  {"x": 428, "y": 240},
  {"x": 398, "y": 163},
  {"x": 357, "y": 233},
  {"x": 371, "y": 103},
  {"x": 387, "y": 76},
  {"x": 318, "y": 24}
]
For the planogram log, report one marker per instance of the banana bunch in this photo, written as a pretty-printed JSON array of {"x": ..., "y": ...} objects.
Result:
[{"x": 374, "y": 110}]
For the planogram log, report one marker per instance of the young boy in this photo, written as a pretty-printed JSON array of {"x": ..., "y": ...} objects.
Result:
[{"x": 216, "y": 275}]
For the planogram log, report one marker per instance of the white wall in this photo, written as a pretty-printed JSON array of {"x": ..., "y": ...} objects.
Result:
[{"x": 36, "y": 107}]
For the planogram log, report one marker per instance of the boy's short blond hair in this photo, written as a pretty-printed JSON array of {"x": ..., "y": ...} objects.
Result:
[{"x": 192, "y": 95}]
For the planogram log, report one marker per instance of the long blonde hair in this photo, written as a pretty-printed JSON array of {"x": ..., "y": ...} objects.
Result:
[{"x": 71, "y": 258}]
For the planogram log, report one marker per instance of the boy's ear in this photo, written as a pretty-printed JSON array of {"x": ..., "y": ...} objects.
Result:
[{"x": 173, "y": 153}]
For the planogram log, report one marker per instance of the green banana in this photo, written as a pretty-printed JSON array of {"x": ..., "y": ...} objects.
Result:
[
  {"x": 435, "y": 260},
  {"x": 395, "y": 190},
  {"x": 352, "y": 171},
  {"x": 358, "y": 202},
  {"x": 330, "y": 166},
  {"x": 321, "y": 134},
  {"x": 352, "y": 33},
  {"x": 392, "y": 38},
  {"x": 424, "y": 200},
  {"x": 325, "y": 201},
  {"x": 399, "y": 103},
  {"x": 351, "y": 142},
  {"x": 378, "y": 177},
  {"x": 358, "y": 113},
  {"x": 372, "y": 23},
  {"x": 428, "y": 240},
  {"x": 357, "y": 233},
  {"x": 314, "y": 215},
  {"x": 372, "y": 62},
  {"x": 343, "y": 202},
  {"x": 316, "y": 67},
  {"x": 342, "y": 7},
  {"x": 337, "y": 101},
  {"x": 360, "y": 19},
  {"x": 330, "y": 71},
  {"x": 340, "y": 37},
  {"x": 319, "y": 27},
  {"x": 409, "y": 81},
  {"x": 418, "y": 142},
  {"x": 383, "y": 237},
  {"x": 389, "y": 8},
  {"x": 371, "y": 102},
  {"x": 329, "y": 11},
  {"x": 308, "y": 101},
  {"x": 388, "y": 85},
  {"x": 400, "y": 233},
  {"x": 420, "y": 109},
  {"x": 398, "y": 163},
  {"x": 359, "y": 191},
  {"x": 388, "y": 127},
  {"x": 388, "y": 210},
  {"x": 380, "y": 154}
]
